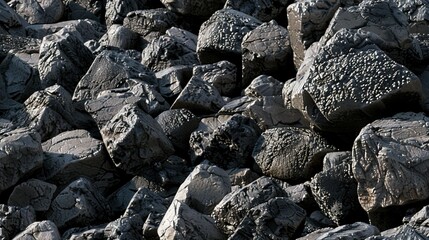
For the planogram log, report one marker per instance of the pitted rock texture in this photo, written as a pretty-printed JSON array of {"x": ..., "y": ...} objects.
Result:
[
  {"x": 39, "y": 230},
  {"x": 290, "y": 154},
  {"x": 194, "y": 7},
  {"x": 124, "y": 228},
  {"x": 117, "y": 10},
  {"x": 135, "y": 140},
  {"x": 417, "y": 13},
  {"x": 33, "y": 11},
  {"x": 390, "y": 161},
  {"x": 15, "y": 219},
  {"x": 35, "y": 193}
]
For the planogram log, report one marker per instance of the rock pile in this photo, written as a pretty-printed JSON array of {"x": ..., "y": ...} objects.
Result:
[{"x": 214, "y": 119}]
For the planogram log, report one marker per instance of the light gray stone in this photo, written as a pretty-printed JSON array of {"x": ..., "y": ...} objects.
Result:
[
  {"x": 222, "y": 75},
  {"x": 357, "y": 230},
  {"x": 39, "y": 231},
  {"x": 33, "y": 11},
  {"x": 117, "y": 10},
  {"x": 333, "y": 159},
  {"x": 119, "y": 36},
  {"x": 264, "y": 85},
  {"x": 35, "y": 193}
]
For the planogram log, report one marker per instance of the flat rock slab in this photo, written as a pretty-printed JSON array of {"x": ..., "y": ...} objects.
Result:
[
  {"x": 35, "y": 193},
  {"x": 390, "y": 161}
]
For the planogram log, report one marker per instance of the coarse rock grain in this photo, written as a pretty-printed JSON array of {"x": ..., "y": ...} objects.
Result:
[
  {"x": 264, "y": 10},
  {"x": 14, "y": 220},
  {"x": 33, "y": 11},
  {"x": 195, "y": 8},
  {"x": 117, "y": 10},
  {"x": 39, "y": 231},
  {"x": 35, "y": 193}
]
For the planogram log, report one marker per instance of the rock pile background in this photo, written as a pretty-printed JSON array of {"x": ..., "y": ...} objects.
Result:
[{"x": 214, "y": 119}]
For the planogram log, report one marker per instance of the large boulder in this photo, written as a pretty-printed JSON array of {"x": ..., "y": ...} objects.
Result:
[
  {"x": 33, "y": 11},
  {"x": 39, "y": 230},
  {"x": 35, "y": 193},
  {"x": 135, "y": 140},
  {"x": 120, "y": 37}
]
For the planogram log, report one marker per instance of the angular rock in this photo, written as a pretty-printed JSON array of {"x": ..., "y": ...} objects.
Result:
[
  {"x": 117, "y": 10},
  {"x": 307, "y": 22},
  {"x": 228, "y": 145},
  {"x": 108, "y": 71},
  {"x": 12, "y": 42},
  {"x": 20, "y": 155},
  {"x": 39, "y": 230},
  {"x": 35, "y": 193},
  {"x": 278, "y": 218},
  {"x": 82, "y": 9},
  {"x": 194, "y": 7},
  {"x": 14, "y": 220},
  {"x": 220, "y": 36},
  {"x": 72, "y": 154},
  {"x": 124, "y": 228},
  {"x": 79, "y": 204},
  {"x": 90, "y": 232},
  {"x": 63, "y": 60},
  {"x": 145, "y": 202},
  {"x": 119, "y": 36},
  {"x": 334, "y": 159},
  {"x": 403, "y": 232},
  {"x": 236, "y": 205},
  {"x": 222, "y": 75},
  {"x": 344, "y": 99},
  {"x": 335, "y": 191},
  {"x": 204, "y": 188},
  {"x": 10, "y": 21},
  {"x": 301, "y": 194},
  {"x": 264, "y": 85},
  {"x": 199, "y": 97},
  {"x": 417, "y": 13},
  {"x": 240, "y": 177},
  {"x": 182, "y": 222},
  {"x": 261, "y": 9},
  {"x": 176, "y": 47},
  {"x": 135, "y": 140},
  {"x": 291, "y": 154},
  {"x": 172, "y": 80},
  {"x": 266, "y": 50},
  {"x": 390, "y": 155},
  {"x": 151, "y": 23},
  {"x": 357, "y": 230},
  {"x": 33, "y": 11},
  {"x": 151, "y": 225},
  {"x": 178, "y": 124}
]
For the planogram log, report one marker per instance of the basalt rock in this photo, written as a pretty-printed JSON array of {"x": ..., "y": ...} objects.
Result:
[
  {"x": 81, "y": 9},
  {"x": 120, "y": 37},
  {"x": 33, "y": 11},
  {"x": 39, "y": 230},
  {"x": 117, "y": 10},
  {"x": 35, "y": 193},
  {"x": 194, "y": 7},
  {"x": 261, "y": 9},
  {"x": 14, "y": 220}
]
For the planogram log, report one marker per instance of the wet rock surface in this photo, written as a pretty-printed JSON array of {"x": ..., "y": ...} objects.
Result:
[{"x": 214, "y": 119}]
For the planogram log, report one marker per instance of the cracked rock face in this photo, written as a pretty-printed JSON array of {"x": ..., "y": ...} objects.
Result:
[
  {"x": 40, "y": 230},
  {"x": 15, "y": 219},
  {"x": 390, "y": 161},
  {"x": 117, "y": 10},
  {"x": 35, "y": 193},
  {"x": 44, "y": 11}
]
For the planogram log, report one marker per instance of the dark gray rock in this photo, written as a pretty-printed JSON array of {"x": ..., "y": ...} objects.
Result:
[
  {"x": 35, "y": 193},
  {"x": 204, "y": 188},
  {"x": 14, "y": 220},
  {"x": 78, "y": 205},
  {"x": 199, "y": 97},
  {"x": 228, "y": 145},
  {"x": 222, "y": 75},
  {"x": 264, "y": 85},
  {"x": 10, "y": 21},
  {"x": 291, "y": 154},
  {"x": 120, "y": 37},
  {"x": 357, "y": 230},
  {"x": 334, "y": 159},
  {"x": 21, "y": 154},
  {"x": 417, "y": 13},
  {"x": 172, "y": 80},
  {"x": 403, "y": 232},
  {"x": 12, "y": 42},
  {"x": 117, "y": 10},
  {"x": 110, "y": 70},
  {"x": 39, "y": 230},
  {"x": 176, "y": 47},
  {"x": 240, "y": 177},
  {"x": 236, "y": 205},
  {"x": 82, "y": 9},
  {"x": 33, "y": 11},
  {"x": 151, "y": 23},
  {"x": 307, "y": 22},
  {"x": 278, "y": 218},
  {"x": 145, "y": 202},
  {"x": 261, "y": 9},
  {"x": 389, "y": 155},
  {"x": 135, "y": 140},
  {"x": 343, "y": 99},
  {"x": 178, "y": 124},
  {"x": 124, "y": 228},
  {"x": 63, "y": 60},
  {"x": 85, "y": 233},
  {"x": 266, "y": 50},
  {"x": 151, "y": 225},
  {"x": 220, "y": 36},
  {"x": 182, "y": 222},
  {"x": 172, "y": 172},
  {"x": 335, "y": 191},
  {"x": 301, "y": 194},
  {"x": 72, "y": 154},
  {"x": 194, "y": 7}
]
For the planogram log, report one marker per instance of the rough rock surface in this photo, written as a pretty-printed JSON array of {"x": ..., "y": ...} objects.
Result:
[
  {"x": 172, "y": 80},
  {"x": 194, "y": 7},
  {"x": 33, "y": 11},
  {"x": 15, "y": 219},
  {"x": 222, "y": 75},
  {"x": 82, "y": 9},
  {"x": 35, "y": 193},
  {"x": 39, "y": 230},
  {"x": 290, "y": 154},
  {"x": 357, "y": 230},
  {"x": 261, "y": 9},
  {"x": 117, "y": 10},
  {"x": 120, "y": 37}
]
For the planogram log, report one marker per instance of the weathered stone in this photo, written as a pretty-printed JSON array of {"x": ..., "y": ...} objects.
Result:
[
  {"x": 10, "y": 21},
  {"x": 278, "y": 218},
  {"x": 266, "y": 50},
  {"x": 82, "y": 9},
  {"x": 222, "y": 75},
  {"x": 307, "y": 22},
  {"x": 335, "y": 191},
  {"x": 135, "y": 140},
  {"x": 123, "y": 228},
  {"x": 204, "y": 188},
  {"x": 12, "y": 42},
  {"x": 236, "y": 205},
  {"x": 301, "y": 194},
  {"x": 63, "y": 60},
  {"x": 228, "y": 145},
  {"x": 194, "y": 7},
  {"x": 291, "y": 154},
  {"x": 172, "y": 80},
  {"x": 117, "y": 10},
  {"x": 39, "y": 231},
  {"x": 220, "y": 36},
  {"x": 176, "y": 47},
  {"x": 21, "y": 154},
  {"x": 145, "y": 202},
  {"x": 151, "y": 23},
  {"x": 417, "y": 13},
  {"x": 316, "y": 224},
  {"x": 33, "y": 11},
  {"x": 357, "y": 230},
  {"x": 390, "y": 161},
  {"x": 151, "y": 225},
  {"x": 182, "y": 222},
  {"x": 240, "y": 177},
  {"x": 85, "y": 233},
  {"x": 35, "y": 193},
  {"x": 110, "y": 70},
  {"x": 79, "y": 204},
  {"x": 14, "y": 220},
  {"x": 403, "y": 232},
  {"x": 199, "y": 97},
  {"x": 264, "y": 85},
  {"x": 344, "y": 99},
  {"x": 119, "y": 36},
  {"x": 261, "y": 9},
  {"x": 72, "y": 154}
]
